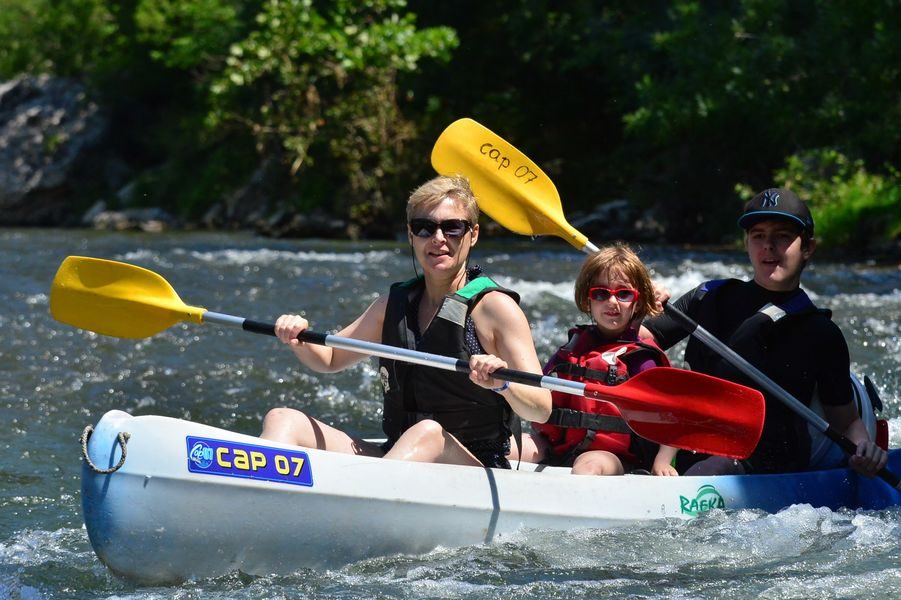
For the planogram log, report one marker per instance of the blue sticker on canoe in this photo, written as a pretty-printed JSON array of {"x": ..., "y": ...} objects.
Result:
[{"x": 248, "y": 461}]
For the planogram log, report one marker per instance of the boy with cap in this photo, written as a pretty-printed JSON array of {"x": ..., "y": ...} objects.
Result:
[{"x": 772, "y": 323}]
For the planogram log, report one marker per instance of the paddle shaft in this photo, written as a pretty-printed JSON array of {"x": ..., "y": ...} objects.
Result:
[
  {"x": 737, "y": 361},
  {"x": 438, "y": 361},
  {"x": 692, "y": 416},
  {"x": 121, "y": 300}
]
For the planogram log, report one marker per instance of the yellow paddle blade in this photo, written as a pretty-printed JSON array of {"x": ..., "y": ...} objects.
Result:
[
  {"x": 116, "y": 299},
  {"x": 510, "y": 188}
]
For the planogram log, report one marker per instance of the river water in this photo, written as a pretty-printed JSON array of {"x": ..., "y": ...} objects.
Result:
[{"x": 55, "y": 379}]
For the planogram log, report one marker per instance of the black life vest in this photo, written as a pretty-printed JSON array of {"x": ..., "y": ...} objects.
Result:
[
  {"x": 752, "y": 339},
  {"x": 578, "y": 424},
  {"x": 414, "y": 392}
]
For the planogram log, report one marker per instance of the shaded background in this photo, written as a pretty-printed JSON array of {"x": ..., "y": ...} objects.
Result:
[{"x": 226, "y": 113}]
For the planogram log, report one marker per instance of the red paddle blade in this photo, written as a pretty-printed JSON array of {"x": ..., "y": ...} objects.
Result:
[{"x": 688, "y": 410}]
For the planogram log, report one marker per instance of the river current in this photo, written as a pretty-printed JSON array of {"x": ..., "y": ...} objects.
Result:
[{"x": 55, "y": 380}]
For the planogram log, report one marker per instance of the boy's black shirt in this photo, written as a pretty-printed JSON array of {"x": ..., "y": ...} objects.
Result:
[{"x": 804, "y": 354}]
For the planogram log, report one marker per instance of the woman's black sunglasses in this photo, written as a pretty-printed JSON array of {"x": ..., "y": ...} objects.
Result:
[{"x": 426, "y": 228}]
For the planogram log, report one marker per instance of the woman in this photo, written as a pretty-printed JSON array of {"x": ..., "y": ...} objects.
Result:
[{"x": 432, "y": 415}]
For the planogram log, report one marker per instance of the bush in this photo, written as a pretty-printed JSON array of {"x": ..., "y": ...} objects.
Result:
[{"x": 851, "y": 207}]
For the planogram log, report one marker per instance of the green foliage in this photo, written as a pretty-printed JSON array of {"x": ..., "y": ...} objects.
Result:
[
  {"x": 852, "y": 208},
  {"x": 732, "y": 89},
  {"x": 186, "y": 34},
  {"x": 668, "y": 103},
  {"x": 197, "y": 177},
  {"x": 48, "y": 36},
  {"x": 313, "y": 82}
]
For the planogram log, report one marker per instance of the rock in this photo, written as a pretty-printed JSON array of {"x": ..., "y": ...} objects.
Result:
[
  {"x": 246, "y": 205},
  {"x": 152, "y": 220},
  {"x": 126, "y": 193},
  {"x": 618, "y": 220},
  {"x": 47, "y": 125},
  {"x": 300, "y": 225},
  {"x": 92, "y": 213}
]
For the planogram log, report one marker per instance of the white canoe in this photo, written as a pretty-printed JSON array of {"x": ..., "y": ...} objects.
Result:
[{"x": 192, "y": 501}]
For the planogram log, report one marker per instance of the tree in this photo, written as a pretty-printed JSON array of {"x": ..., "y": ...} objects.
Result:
[
  {"x": 735, "y": 88},
  {"x": 320, "y": 81}
]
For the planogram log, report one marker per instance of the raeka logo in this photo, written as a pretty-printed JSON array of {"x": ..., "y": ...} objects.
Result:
[{"x": 706, "y": 499}]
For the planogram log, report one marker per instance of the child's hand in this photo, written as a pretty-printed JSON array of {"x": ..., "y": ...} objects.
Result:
[
  {"x": 665, "y": 469},
  {"x": 663, "y": 462}
]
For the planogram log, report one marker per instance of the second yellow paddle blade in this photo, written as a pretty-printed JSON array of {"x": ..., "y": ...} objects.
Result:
[
  {"x": 511, "y": 189},
  {"x": 116, "y": 299}
]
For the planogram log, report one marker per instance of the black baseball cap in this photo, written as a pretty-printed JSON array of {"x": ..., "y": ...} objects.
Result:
[{"x": 777, "y": 203}]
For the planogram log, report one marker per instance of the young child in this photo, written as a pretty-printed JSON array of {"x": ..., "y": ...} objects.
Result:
[{"x": 614, "y": 288}]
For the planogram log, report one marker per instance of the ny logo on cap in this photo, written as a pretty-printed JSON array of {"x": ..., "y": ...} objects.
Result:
[{"x": 770, "y": 199}]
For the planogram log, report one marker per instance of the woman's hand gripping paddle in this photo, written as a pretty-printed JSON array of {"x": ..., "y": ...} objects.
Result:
[
  {"x": 669, "y": 406},
  {"x": 509, "y": 198}
]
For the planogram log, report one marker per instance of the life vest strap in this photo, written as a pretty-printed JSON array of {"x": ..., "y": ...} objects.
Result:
[
  {"x": 567, "y": 417},
  {"x": 579, "y": 371}
]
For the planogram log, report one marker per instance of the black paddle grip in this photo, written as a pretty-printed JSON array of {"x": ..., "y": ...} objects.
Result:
[
  {"x": 269, "y": 329},
  {"x": 680, "y": 317},
  {"x": 311, "y": 337},
  {"x": 531, "y": 379},
  {"x": 258, "y": 327}
]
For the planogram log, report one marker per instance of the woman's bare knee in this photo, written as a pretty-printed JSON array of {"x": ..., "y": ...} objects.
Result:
[
  {"x": 427, "y": 432},
  {"x": 291, "y": 426},
  {"x": 428, "y": 441},
  {"x": 280, "y": 414},
  {"x": 281, "y": 417}
]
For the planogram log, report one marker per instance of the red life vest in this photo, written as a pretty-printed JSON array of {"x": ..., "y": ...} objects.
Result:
[{"x": 585, "y": 359}]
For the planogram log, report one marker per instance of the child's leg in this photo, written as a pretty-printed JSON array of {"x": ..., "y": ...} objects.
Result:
[{"x": 597, "y": 462}]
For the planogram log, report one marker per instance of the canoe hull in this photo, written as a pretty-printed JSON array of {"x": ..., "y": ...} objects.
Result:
[{"x": 194, "y": 501}]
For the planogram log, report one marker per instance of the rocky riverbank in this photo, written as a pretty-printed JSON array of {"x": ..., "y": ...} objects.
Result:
[
  {"x": 59, "y": 168},
  {"x": 55, "y": 152}
]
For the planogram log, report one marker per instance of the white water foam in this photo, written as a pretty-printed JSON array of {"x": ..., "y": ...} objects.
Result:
[
  {"x": 531, "y": 292},
  {"x": 36, "y": 547},
  {"x": 266, "y": 256}
]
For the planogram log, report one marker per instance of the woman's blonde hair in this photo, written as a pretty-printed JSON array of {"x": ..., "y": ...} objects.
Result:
[
  {"x": 618, "y": 259},
  {"x": 432, "y": 192}
]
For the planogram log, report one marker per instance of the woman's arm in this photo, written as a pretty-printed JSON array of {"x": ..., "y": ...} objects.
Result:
[
  {"x": 324, "y": 359},
  {"x": 504, "y": 332}
]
